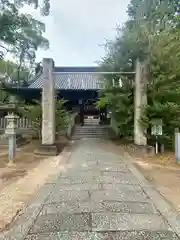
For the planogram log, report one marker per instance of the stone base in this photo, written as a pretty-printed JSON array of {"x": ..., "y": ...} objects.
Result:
[
  {"x": 150, "y": 150},
  {"x": 46, "y": 150}
]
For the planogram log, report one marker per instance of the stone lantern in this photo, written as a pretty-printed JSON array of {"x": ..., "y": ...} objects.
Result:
[{"x": 10, "y": 132}]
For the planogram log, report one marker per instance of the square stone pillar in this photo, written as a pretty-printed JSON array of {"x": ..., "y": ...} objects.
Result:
[
  {"x": 48, "y": 103},
  {"x": 140, "y": 100},
  {"x": 48, "y": 146}
]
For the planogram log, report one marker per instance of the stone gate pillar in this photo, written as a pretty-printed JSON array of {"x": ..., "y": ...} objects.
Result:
[
  {"x": 48, "y": 146},
  {"x": 140, "y": 100}
]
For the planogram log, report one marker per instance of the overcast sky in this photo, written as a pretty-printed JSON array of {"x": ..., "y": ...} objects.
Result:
[{"x": 77, "y": 28}]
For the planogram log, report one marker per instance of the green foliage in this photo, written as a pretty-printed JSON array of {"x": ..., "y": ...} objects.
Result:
[
  {"x": 34, "y": 113},
  {"x": 21, "y": 34},
  {"x": 102, "y": 102},
  {"x": 152, "y": 35},
  {"x": 29, "y": 39},
  {"x": 9, "y": 72},
  {"x": 164, "y": 92},
  {"x": 120, "y": 104},
  {"x": 62, "y": 116}
]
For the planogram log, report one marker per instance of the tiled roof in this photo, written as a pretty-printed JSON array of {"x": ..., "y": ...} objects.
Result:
[
  {"x": 73, "y": 80},
  {"x": 76, "y": 69}
]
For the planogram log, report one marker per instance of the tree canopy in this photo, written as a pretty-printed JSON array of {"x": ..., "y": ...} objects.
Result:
[
  {"x": 9, "y": 72},
  {"x": 151, "y": 34},
  {"x": 20, "y": 34}
]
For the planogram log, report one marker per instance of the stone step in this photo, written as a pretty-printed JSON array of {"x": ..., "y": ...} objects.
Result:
[
  {"x": 80, "y": 136},
  {"x": 91, "y": 130},
  {"x": 89, "y": 137},
  {"x": 91, "y": 126},
  {"x": 86, "y": 135}
]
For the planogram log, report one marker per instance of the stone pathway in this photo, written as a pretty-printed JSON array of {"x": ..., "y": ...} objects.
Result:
[{"x": 98, "y": 197}]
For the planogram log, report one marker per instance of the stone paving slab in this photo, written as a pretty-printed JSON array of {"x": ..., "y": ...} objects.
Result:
[
  {"x": 124, "y": 178},
  {"x": 62, "y": 196},
  {"x": 125, "y": 222},
  {"x": 124, "y": 235},
  {"x": 77, "y": 187},
  {"x": 90, "y": 162},
  {"x": 124, "y": 188},
  {"x": 99, "y": 197},
  {"x": 80, "y": 173},
  {"x": 116, "y": 173},
  {"x": 101, "y": 169},
  {"x": 110, "y": 162},
  {"x": 117, "y": 186},
  {"x": 123, "y": 207},
  {"x": 114, "y": 169},
  {"x": 66, "y": 207},
  {"x": 62, "y": 223},
  {"x": 119, "y": 195},
  {"x": 77, "y": 179},
  {"x": 103, "y": 157}
]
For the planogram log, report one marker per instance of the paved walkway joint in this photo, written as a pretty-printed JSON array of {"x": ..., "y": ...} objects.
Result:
[{"x": 97, "y": 197}]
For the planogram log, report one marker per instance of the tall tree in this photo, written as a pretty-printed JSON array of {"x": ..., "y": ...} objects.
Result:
[
  {"x": 151, "y": 33},
  {"x": 13, "y": 24},
  {"x": 9, "y": 72},
  {"x": 29, "y": 40}
]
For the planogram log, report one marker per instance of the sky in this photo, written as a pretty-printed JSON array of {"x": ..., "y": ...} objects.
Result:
[{"x": 77, "y": 29}]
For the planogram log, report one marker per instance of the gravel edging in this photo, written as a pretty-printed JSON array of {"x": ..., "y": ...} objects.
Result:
[
  {"x": 164, "y": 207},
  {"x": 21, "y": 227}
]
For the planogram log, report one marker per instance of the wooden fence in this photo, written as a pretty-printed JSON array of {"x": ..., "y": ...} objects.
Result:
[{"x": 22, "y": 123}]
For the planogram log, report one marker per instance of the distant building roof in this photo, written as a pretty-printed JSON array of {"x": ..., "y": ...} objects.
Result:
[
  {"x": 76, "y": 69},
  {"x": 73, "y": 78}
]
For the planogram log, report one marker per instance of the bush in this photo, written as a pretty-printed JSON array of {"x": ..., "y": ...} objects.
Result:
[{"x": 34, "y": 114}]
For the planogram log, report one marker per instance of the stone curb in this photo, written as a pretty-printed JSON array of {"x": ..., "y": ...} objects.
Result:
[
  {"x": 23, "y": 224},
  {"x": 168, "y": 212}
]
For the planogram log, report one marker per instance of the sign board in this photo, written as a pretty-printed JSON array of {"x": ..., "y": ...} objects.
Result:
[{"x": 156, "y": 128}]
